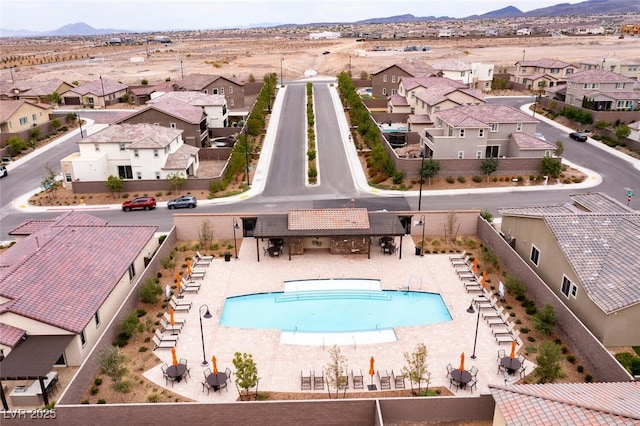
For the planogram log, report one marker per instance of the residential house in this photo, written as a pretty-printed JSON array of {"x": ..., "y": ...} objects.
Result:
[
  {"x": 589, "y": 30},
  {"x": 385, "y": 82},
  {"x": 483, "y": 131},
  {"x": 67, "y": 279},
  {"x": 139, "y": 95},
  {"x": 600, "y": 90},
  {"x": 523, "y": 31},
  {"x": 541, "y": 73},
  {"x": 626, "y": 67},
  {"x": 96, "y": 94},
  {"x": 567, "y": 403},
  {"x": 585, "y": 253},
  {"x": 174, "y": 114},
  {"x": 19, "y": 116},
  {"x": 34, "y": 91},
  {"x": 231, "y": 89},
  {"x": 130, "y": 151},
  {"x": 214, "y": 106}
]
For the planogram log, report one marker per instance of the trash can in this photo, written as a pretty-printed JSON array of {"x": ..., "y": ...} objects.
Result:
[
  {"x": 418, "y": 251},
  {"x": 227, "y": 256}
]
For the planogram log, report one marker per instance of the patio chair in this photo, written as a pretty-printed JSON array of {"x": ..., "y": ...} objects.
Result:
[
  {"x": 179, "y": 308},
  {"x": 206, "y": 373},
  {"x": 157, "y": 343},
  {"x": 358, "y": 381},
  {"x": 398, "y": 380},
  {"x": 504, "y": 329},
  {"x": 228, "y": 373},
  {"x": 522, "y": 371},
  {"x": 189, "y": 287},
  {"x": 318, "y": 381},
  {"x": 165, "y": 337},
  {"x": 499, "y": 321},
  {"x": 493, "y": 314},
  {"x": 203, "y": 257},
  {"x": 207, "y": 386},
  {"x": 474, "y": 371},
  {"x": 449, "y": 369},
  {"x": 385, "y": 380},
  {"x": 305, "y": 381},
  {"x": 473, "y": 383},
  {"x": 501, "y": 354},
  {"x": 167, "y": 318},
  {"x": 199, "y": 261},
  {"x": 184, "y": 361},
  {"x": 454, "y": 383},
  {"x": 180, "y": 302},
  {"x": 166, "y": 326}
]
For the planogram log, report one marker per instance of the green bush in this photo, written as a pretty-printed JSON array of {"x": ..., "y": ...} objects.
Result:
[
  {"x": 580, "y": 369},
  {"x": 94, "y": 390},
  {"x": 450, "y": 179},
  {"x": 149, "y": 291},
  {"x": 476, "y": 179},
  {"x": 462, "y": 179},
  {"x": 514, "y": 286},
  {"x": 571, "y": 359},
  {"x": 630, "y": 362},
  {"x": 588, "y": 378},
  {"x": 545, "y": 320},
  {"x": 102, "y": 401},
  {"x": 97, "y": 381}
]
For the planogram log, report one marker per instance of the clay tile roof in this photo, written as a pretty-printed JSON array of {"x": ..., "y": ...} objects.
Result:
[
  {"x": 526, "y": 141},
  {"x": 138, "y": 136},
  {"x": 180, "y": 158},
  {"x": 598, "y": 76},
  {"x": 192, "y": 98},
  {"x": 326, "y": 219},
  {"x": 181, "y": 110},
  {"x": 10, "y": 335},
  {"x": 398, "y": 100},
  {"x": 483, "y": 115}
]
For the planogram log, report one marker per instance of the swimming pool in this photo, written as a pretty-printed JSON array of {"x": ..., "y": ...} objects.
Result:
[{"x": 334, "y": 311}]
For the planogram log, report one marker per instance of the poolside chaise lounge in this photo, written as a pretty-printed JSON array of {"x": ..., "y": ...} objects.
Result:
[
  {"x": 173, "y": 329},
  {"x": 385, "y": 380},
  {"x": 507, "y": 338},
  {"x": 505, "y": 329},
  {"x": 318, "y": 381},
  {"x": 187, "y": 286},
  {"x": 357, "y": 379},
  {"x": 165, "y": 337},
  {"x": 157, "y": 343},
  {"x": 180, "y": 302},
  {"x": 305, "y": 381},
  {"x": 398, "y": 380},
  {"x": 209, "y": 258},
  {"x": 499, "y": 320},
  {"x": 176, "y": 320},
  {"x": 179, "y": 308}
]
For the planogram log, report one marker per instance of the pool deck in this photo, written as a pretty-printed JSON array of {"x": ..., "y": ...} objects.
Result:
[{"x": 280, "y": 364}]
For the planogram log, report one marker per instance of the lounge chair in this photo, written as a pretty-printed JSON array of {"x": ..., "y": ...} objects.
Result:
[
  {"x": 186, "y": 286},
  {"x": 493, "y": 314},
  {"x": 505, "y": 329},
  {"x": 179, "y": 308},
  {"x": 489, "y": 304},
  {"x": 318, "y": 381},
  {"x": 173, "y": 329},
  {"x": 167, "y": 318},
  {"x": 499, "y": 321},
  {"x": 197, "y": 274},
  {"x": 357, "y": 379},
  {"x": 157, "y": 343},
  {"x": 305, "y": 381},
  {"x": 198, "y": 261},
  {"x": 209, "y": 258},
  {"x": 507, "y": 338},
  {"x": 473, "y": 286},
  {"x": 459, "y": 256},
  {"x": 398, "y": 380},
  {"x": 385, "y": 380},
  {"x": 165, "y": 337},
  {"x": 181, "y": 302}
]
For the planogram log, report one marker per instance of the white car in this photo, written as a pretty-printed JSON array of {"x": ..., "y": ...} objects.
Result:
[
  {"x": 3, "y": 171},
  {"x": 540, "y": 136}
]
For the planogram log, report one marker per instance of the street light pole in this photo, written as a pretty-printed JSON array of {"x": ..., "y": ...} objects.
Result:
[
  {"x": 281, "y": 59},
  {"x": 80, "y": 122},
  {"x": 207, "y": 315},
  {"x": 349, "y": 65},
  {"x": 421, "y": 179},
  {"x": 235, "y": 227},
  {"x": 475, "y": 340},
  {"x": 103, "y": 98}
]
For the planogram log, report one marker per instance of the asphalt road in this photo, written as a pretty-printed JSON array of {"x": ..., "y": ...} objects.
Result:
[{"x": 286, "y": 188}]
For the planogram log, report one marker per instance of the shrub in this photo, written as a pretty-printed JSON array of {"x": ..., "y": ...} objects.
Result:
[
  {"x": 524, "y": 330},
  {"x": 580, "y": 369},
  {"x": 531, "y": 310},
  {"x": 462, "y": 179},
  {"x": 588, "y": 378},
  {"x": 102, "y": 401},
  {"x": 531, "y": 339},
  {"x": 94, "y": 390},
  {"x": 545, "y": 320},
  {"x": 154, "y": 398},
  {"x": 548, "y": 360},
  {"x": 149, "y": 291},
  {"x": 514, "y": 286},
  {"x": 476, "y": 179},
  {"x": 143, "y": 349},
  {"x": 450, "y": 179},
  {"x": 571, "y": 359},
  {"x": 97, "y": 381}
]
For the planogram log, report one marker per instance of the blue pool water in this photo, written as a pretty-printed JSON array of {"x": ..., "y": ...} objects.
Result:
[{"x": 334, "y": 311}]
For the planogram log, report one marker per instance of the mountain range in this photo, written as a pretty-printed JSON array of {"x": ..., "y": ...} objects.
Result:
[{"x": 589, "y": 7}]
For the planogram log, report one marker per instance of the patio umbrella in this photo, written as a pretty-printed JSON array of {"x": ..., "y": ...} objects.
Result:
[
  {"x": 215, "y": 364},
  {"x": 484, "y": 278},
  {"x": 189, "y": 270},
  {"x": 513, "y": 349},
  {"x": 171, "y": 317},
  {"x": 372, "y": 370},
  {"x": 174, "y": 356},
  {"x": 178, "y": 277},
  {"x": 462, "y": 361},
  {"x": 475, "y": 265}
]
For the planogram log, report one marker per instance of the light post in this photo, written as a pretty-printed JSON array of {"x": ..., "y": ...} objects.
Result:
[
  {"x": 235, "y": 227},
  {"x": 349, "y": 65},
  {"x": 535, "y": 101},
  {"x": 423, "y": 224},
  {"x": 281, "y": 59},
  {"x": 80, "y": 122},
  {"x": 421, "y": 179},
  {"x": 475, "y": 340},
  {"x": 104, "y": 100},
  {"x": 207, "y": 315}
]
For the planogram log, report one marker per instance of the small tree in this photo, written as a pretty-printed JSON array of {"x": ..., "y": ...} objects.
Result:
[
  {"x": 16, "y": 145},
  {"x": 622, "y": 131},
  {"x": 56, "y": 124},
  {"x": 416, "y": 368},
  {"x": 49, "y": 182},
  {"x": 548, "y": 359},
  {"x": 205, "y": 235},
  {"x": 451, "y": 224},
  {"x": 113, "y": 363},
  {"x": 559, "y": 149},
  {"x": 430, "y": 169},
  {"x": 246, "y": 373},
  {"x": 176, "y": 182},
  {"x": 336, "y": 371},
  {"x": 514, "y": 286},
  {"x": 544, "y": 320},
  {"x": 551, "y": 166},
  {"x": 115, "y": 185},
  {"x": 488, "y": 166}
]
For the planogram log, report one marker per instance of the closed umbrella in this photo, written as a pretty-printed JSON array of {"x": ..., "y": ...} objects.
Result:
[
  {"x": 475, "y": 265},
  {"x": 189, "y": 270},
  {"x": 372, "y": 370},
  {"x": 215, "y": 364},
  {"x": 174, "y": 356},
  {"x": 484, "y": 278},
  {"x": 462, "y": 361},
  {"x": 171, "y": 317},
  {"x": 177, "y": 277},
  {"x": 513, "y": 349}
]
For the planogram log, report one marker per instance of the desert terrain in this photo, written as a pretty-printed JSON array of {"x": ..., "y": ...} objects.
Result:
[{"x": 294, "y": 58}]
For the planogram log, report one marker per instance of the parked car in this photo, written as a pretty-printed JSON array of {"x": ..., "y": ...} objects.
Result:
[
  {"x": 187, "y": 201},
  {"x": 579, "y": 136},
  {"x": 3, "y": 171},
  {"x": 540, "y": 136},
  {"x": 220, "y": 142},
  {"x": 140, "y": 203}
]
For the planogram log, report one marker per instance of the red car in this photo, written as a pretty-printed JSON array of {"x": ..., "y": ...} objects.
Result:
[{"x": 140, "y": 203}]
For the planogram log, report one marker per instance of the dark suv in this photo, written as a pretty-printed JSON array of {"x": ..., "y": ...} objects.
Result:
[
  {"x": 140, "y": 203},
  {"x": 184, "y": 201}
]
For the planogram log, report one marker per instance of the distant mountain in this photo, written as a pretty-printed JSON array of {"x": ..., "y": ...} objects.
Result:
[
  {"x": 589, "y": 7},
  {"x": 401, "y": 19},
  {"x": 79, "y": 28},
  {"x": 506, "y": 12}
]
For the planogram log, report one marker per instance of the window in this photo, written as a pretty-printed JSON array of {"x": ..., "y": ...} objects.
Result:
[
  {"x": 222, "y": 90},
  {"x": 125, "y": 172},
  {"x": 393, "y": 78},
  {"x": 24, "y": 120},
  {"x": 157, "y": 175},
  {"x": 542, "y": 83},
  {"x": 136, "y": 153},
  {"x": 156, "y": 124},
  {"x": 139, "y": 175},
  {"x": 518, "y": 127},
  {"x": 547, "y": 153},
  {"x": 492, "y": 151},
  {"x": 574, "y": 290},
  {"x": 233, "y": 102},
  {"x": 523, "y": 69},
  {"x": 481, "y": 133},
  {"x": 83, "y": 338},
  {"x": 96, "y": 318},
  {"x": 462, "y": 133},
  {"x": 384, "y": 91},
  {"x": 478, "y": 154},
  {"x": 132, "y": 271},
  {"x": 155, "y": 153},
  {"x": 462, "y": 73},
  {"x": 122, "y": 147},
  {"x": 230, "y": 89},
  {"x": 206, "y": 91},
  {"x": 494, "y": 127},
  {"x": 460, "y": 155},
  {"x": 173, "y": 125},
  {"x": 566, "y": 286},
  {"x": 384, "y": 78},
  {"x": 393, "y": 91},
  {"x": 569, "y": 71},
  {"x": 96, "y": 147},
  {"x": 535, "y": 255},
  {"x": 214, "y": 91},
  {"x": 555, "y": 70},
  {"x": 34, "y": 117},
  {"x": 618, "y": 86}
]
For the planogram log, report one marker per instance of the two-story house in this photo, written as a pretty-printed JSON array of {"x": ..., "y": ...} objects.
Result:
[
  {"x": 385, "y": 82},
  {"x": 19, "y": 116},
  {"x": 623, "y": 66},
  {"x": 586, "y": 253},
  {"x": 601, "y": 90},
  {"x": 483, "y": 131},
  {"x": 130, "y": 151},
  {"x": 174, "y": 114},
  {"x": 34, "y": 91},
  {"x": 214, "y": 106},
  {"x": 231, "y": 89},
  {"x": 95, "y": 94},
  {"x": 540, "y": 73},
  {"x": 475, "y": 75}
]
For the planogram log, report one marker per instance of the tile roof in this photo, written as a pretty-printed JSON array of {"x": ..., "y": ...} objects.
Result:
[
  {"x": 138, "y": 136},
  {"x": 597, "y": 202},
  {"x": 419, "y": 119},
  {"x": 46, "y": 272},
  {"x": 328, "y": 219},
  {"x": 545, "y": 63},
  {"x": 410, "y": 83},
  {"x": 95, "y": 87},
  {"x": 10, "y": 335},
  {"x": 483, "y": 115},
  {"x": 438, "y": 93},
  {"x": 526, "y": 141},
  {"x": 398, "y": 100},
  {"x": 569, "y": 403},
  {"x": 9, "y": 107},
  {"x": 453, "y": 65},
  {"x": 175, "y": 108},
  {"x": 198, "y": 82},
  {"x": 70, "y": 218},
  {"x": 44, "y": 88},
  {"x": 192, "y": 98},
  {"x": 598, "y": 76},
  {"x": 181, "y": 158}
]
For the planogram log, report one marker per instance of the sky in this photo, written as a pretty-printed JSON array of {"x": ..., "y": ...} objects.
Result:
[{"x": 163, "y": 15}]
